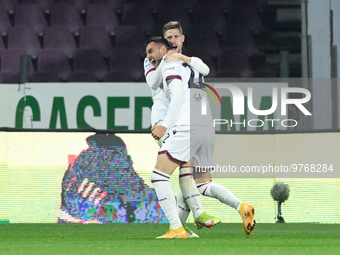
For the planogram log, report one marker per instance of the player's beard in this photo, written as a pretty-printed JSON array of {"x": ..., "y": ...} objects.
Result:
[{"x": 158, "y": 61}]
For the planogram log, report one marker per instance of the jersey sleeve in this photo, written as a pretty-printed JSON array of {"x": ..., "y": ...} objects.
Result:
[
  {"x": 173, "y": 80},
  {"x": 199, "y": 66},
  {"x": 148, "y": 67},
  {"x": 153, "y": 76}
]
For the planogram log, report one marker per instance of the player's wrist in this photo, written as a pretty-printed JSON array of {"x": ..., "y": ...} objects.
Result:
[
  {"x": 165, "y": 124},
  {"x": 186, "y": 59}
]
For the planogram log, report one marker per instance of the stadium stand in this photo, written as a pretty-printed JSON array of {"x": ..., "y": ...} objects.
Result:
[
  {"x": 2, "y": 46},
  {"x": 235, "y": 60},
  {"x": 118, "y": 4},
  {"x": 245, "y": 14},
  {"x": 24, "y": 38},
  {"x": 10, "y": 65},
  {"x": 141, "y": 15},
  {"x": 120, "y": 76},
  {"x": 102, "y": 15},
  {"x": 205, "y": 13},
  {"x": 169, "y": 11},
  {"x": 66, "y": 15},
  {"x": 95, "y": 38},
  {"x": 57, "y": 37},
  {"x": 54, "y": 61},
  {"x": 208, "y": 40},
  {"x": 127, "y": 36},
  {"x": 5, "y": 23},
  {"x": 123, "y": 59},
  {"x": 44, "y": 77},
  {"x": 9, "y": 5},
  {"x": 90, "y": 61},
  {"x": 257, "y": 28},
  {"x": 82, "y": 77},
  {"x": 80, "y": 5},
  {"x": 30, "y": 15},
  {"x": 44, "y": 5}
]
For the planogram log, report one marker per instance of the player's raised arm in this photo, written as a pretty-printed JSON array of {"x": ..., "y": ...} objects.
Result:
[
  {"x": 152, "y": 74},
  {"x": 195, "y": 63},
  {"x": 174, "y": 86},
  {"x": 198, "y": 65},
  {"x": 174, "y": 89}
]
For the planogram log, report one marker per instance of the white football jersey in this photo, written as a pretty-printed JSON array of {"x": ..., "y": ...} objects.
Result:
[
  {"x": 182, "y": 89},
  {"x": 160, "y": 101}
]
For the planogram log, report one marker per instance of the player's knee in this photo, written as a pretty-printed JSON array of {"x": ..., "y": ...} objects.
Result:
[
  {"x": 201, "y": 180},
  {"x": 164, "y": 164}
]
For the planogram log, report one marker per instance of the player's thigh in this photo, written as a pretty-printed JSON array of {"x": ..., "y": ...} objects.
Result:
[
  {"x": 203, "y": 155},
  {"x": 165, "y": 165},
  {"x": 176, "y": 146}
]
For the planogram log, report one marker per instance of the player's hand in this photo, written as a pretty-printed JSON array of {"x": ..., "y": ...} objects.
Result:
[
  {"x": 172, "y": 55},
  {"x": 158, "y": 132}
]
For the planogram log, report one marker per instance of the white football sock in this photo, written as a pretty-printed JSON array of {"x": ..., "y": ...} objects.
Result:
[
  {"x": 219, "y": 192},
  {"x": 183, "y": 209},
  {"x": 190, "y": 193},
  {"x": 166, "y": 197}
]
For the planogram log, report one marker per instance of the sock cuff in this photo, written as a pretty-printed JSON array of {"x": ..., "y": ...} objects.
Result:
[
  {"x": 158, "y": 176},
  {"x": 185, "y": 171},
  {"x": 202, "y": 187}
]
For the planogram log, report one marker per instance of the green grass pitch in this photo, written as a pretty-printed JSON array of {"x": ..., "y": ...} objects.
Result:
[{"x": 140, "y": 239}]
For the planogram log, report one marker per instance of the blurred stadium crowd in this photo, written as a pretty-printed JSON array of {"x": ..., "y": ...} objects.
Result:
[{"x": 104, "y": 40}]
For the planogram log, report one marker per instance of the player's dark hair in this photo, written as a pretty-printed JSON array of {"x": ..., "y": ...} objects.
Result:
[{"x": 158, "y": 40}]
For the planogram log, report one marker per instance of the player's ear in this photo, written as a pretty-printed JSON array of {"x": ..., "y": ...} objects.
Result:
[
  {"x": 183, "y": 38},
  {"x": 163, "y": 50}
]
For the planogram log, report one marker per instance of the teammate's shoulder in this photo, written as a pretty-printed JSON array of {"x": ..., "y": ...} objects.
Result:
[{"x": 172, "y": 66}]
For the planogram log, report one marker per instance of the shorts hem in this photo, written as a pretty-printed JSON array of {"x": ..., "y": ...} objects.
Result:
[{"x": 172, "y": 158}]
